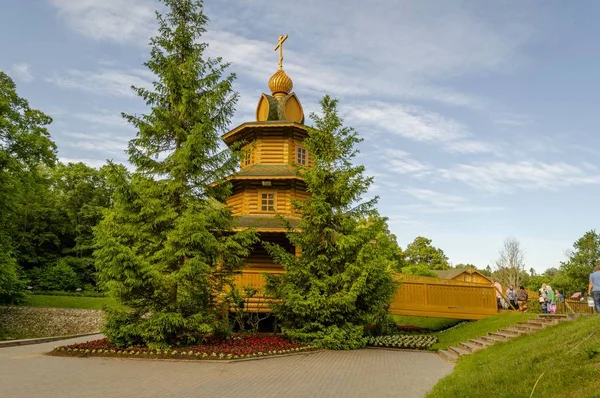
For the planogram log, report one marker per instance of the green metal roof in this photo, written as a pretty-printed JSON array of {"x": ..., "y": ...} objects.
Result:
[
  {"x": 270, "y": 170},
  {"x": 262, "y": 221}
]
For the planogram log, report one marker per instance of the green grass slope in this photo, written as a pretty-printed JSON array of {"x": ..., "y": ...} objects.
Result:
[
  {"x": 565, "y": 358},
  {"x": 474, "y": 329}
]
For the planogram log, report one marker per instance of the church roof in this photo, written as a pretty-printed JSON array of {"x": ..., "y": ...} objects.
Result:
[
  {"x": 265, "y": 223},
  {"x": 264, "y": 127},
  {"x": 266, "y": 170}
]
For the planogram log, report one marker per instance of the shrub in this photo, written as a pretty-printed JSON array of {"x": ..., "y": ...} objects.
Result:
[
  {"x": 59, "y": 276},
  {"x": 421, "y": 270},
  {"x": 421, "y": 342}
]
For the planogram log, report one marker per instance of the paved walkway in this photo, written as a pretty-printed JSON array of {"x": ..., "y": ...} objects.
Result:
[{"x": 26, "y": 372}]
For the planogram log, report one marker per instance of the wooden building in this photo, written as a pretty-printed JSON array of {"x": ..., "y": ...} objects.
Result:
[
  {"x": 468, "y": 274},
  {"x": 267, "y": 182}
]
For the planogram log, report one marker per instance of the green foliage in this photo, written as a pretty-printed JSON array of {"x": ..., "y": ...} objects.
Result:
[
  {"x": 11, "y": 284},
  {"x": 165, "y": 250},
  {"x": 411, "y": 341},
  {"x": 581, "y": 262},
  {"x": 25, "y": 147},
  {"x": 420, "y": 269},
  {"x": 382, "y": 324},
  {"x": 342, "y": 280},
  {"x": 422, "y": 253},
  {"x": 59, "y": 276},
  {"x": 535, "y": 282}
]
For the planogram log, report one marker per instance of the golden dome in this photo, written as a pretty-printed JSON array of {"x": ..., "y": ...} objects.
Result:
[{"x": 280, "y": 83}]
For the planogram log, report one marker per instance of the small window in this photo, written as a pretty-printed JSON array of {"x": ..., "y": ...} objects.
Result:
[
  {"x": 267, "y": 201},
  {"x": 301, "y": 156},
  {"x": 246, "y": 157}
]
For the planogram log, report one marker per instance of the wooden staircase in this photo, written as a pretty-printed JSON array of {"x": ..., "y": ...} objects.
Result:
[{"x": 531, "y": 326}]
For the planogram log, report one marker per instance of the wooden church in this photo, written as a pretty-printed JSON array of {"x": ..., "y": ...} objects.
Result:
[{"x": 266, "y": 184}]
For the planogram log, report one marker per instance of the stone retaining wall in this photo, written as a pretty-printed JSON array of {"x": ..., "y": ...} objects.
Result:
[{"x": 45, "y": 322}]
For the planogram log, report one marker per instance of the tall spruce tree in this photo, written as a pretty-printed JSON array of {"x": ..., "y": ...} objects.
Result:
[
  {"x": 166, "y": 251},
  {"x": 342, "y": 280}
]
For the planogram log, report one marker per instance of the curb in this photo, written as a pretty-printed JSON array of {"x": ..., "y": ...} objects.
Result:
[
  {"x": 424, "y": 350},
  {"x": 128, "y": 358},
  {"x": 39, "y": 340}
]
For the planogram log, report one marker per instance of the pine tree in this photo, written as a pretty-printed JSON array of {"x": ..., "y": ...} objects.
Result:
[
  {"x": 166, "y": 251},
  {"x": 343, "y": 278}
]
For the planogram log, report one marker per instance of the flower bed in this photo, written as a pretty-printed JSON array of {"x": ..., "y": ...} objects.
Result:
[
  {"x": 419, "y": 342},
  {"x": 235, "y": 348}
]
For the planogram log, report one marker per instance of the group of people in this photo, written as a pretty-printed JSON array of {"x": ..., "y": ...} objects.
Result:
[
  {"x": 549, "y": 299},
  {"x": 517, "y": 299}
]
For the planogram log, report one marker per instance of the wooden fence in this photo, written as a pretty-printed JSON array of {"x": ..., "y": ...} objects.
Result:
[
  {"x": 416, "y": 295},
  {"x": 434, "y": 297}
]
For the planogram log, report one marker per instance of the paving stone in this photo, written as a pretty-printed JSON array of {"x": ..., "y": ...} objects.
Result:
[{"x": 27, "y": 372}]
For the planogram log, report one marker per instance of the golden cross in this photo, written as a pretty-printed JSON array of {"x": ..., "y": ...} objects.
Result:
[{"x": 279, "y": 47}]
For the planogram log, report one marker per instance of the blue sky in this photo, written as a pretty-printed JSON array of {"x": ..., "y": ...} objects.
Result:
[{"x": 480, "y": 118}]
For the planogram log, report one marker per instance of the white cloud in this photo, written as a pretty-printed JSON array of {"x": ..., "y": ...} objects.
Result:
[
  {"x": 401, "y": 162},
  {"x": 120, "y": 21},
  {"x": 256, "y": 59},
  {"x": 408, "y": 50},
  {"x": 416, "y": 124},
  {"x": 114, "y": 82},
  {"x": 438, "y": 202},
  {"x": 103, "y": 117},
  {"x": 107, "y": 142},
  {"x": 89, "y": 161},
  {"x": 406, "y": 121},
  {"x": 469, "y": 147},
  {"x": 503, "y": 177},
  {"x": 22, "y": 72}
]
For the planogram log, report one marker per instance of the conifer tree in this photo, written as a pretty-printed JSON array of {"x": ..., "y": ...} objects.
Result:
[
  {"x": 342, "y": 279},
  {"x": 166, "y": 251}
]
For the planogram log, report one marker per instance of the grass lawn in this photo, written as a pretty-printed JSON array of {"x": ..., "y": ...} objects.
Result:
[
  {"x": 433, "y": 324},
  {"x": 474, "y": 329},
  {"x": 90, "y": 303},
  {"x": 566, "y": 356}
]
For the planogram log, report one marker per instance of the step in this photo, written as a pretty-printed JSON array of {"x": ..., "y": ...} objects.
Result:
[
  {"x": 469, "y": 346},
  {"x": 459, "y": 351},
  {"x": 481, "y": 343},
  {"x": 510, "y": 331},
  {"x": 542, "y": 322},
  {"x": 519, "y": 331},
  {"x": 492, "y": 339},
  {"x": 448, "y": 355},
  {"x": 501, "y": 335},
  {"x": 553, "y": 316},
  {"x": 534, "y": 326},
  {"x": 526, "y": 328}
]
